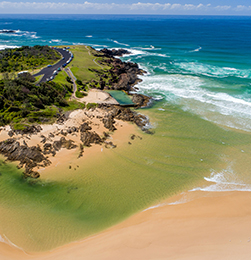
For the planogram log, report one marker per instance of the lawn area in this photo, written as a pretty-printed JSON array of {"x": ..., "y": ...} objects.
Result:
[
  {"x": 83, "y": 61},
  {"x": 61, "y": 78}
]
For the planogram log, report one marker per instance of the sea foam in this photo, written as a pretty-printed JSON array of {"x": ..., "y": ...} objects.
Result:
[
  {"x": 226, "y": 180},
  {"x": 213, "y": 71},
  {"x": 190, "y": 92}
]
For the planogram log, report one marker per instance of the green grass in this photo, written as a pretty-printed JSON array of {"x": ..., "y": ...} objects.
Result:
[
  {"x": 38, "y": 78},
  {"x": 73, "y": 105},
  {"x": 80, "y": 94},
  {"x": 61, "y": 78},
  {"x": 82, "y": 62},
  {"x": 91, "y": 105},
  {"x": 20, "y": 126}
]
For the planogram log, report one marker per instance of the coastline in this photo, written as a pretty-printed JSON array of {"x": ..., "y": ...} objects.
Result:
[
  {"x": 212, "y": 225},
  {"x": 82, "y": 129},
  {"x": 142, "y": 235}
]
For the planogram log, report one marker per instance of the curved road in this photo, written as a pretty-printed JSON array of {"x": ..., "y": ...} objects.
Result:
[{"x": 48, "y": 71}]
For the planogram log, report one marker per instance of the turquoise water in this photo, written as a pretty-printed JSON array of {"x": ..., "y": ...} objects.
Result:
[
  {"x": 121, "y": 97},
  {"x": 201, "y": 63},
  {"x": 199, "y": 73}
]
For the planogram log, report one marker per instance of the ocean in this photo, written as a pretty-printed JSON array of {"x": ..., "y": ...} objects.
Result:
[{"x": 198, "y": 70}]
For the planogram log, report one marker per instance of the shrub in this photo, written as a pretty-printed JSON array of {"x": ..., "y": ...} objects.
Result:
[{"x": 91, "y": 105}]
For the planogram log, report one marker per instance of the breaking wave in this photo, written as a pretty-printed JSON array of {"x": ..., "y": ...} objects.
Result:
[
  {"x": 213, "y": 71},
  {"x": 18, "y": 33},
  {"x": 190, "y": 92}
]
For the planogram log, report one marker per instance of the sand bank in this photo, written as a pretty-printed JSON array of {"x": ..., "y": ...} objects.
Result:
[
  {"x": 99, "y": 97},
  {"x": 210, "y": 226}
]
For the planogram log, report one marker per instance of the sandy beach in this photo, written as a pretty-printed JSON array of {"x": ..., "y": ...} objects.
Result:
[{"x": 209, "y": 226}]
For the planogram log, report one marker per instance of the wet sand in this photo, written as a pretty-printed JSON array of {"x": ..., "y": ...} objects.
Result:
[{"x": 208, "y": 226}]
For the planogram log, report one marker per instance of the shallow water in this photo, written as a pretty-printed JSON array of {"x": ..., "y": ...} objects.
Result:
[
  {"x": 199, "y": 67},
  {"x": 68, "y": 205}
]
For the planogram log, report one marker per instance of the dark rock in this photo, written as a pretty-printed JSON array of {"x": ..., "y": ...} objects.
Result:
[
  {"x": 84, "y": 127},
  {"x": 63, "y": 143},
  {"x": 113, "y": 52},
  {"x": 32, "y": 129},
  {"x": 11, "y": 133},
  {"x": 89, "y": 138},
  {"x": 63, "y": 132},
  {"x": 72, "y": 129},
  {"x": 109, "y": 123},
  {"x": 141, "y": 100},
  {"x": 81, "y": 147},
  {"x": 51, "y": 135},
  {"x": 27, "y": 156},
  {"x": 43, "y": 139},
  {"x": 110, "y": 145}
]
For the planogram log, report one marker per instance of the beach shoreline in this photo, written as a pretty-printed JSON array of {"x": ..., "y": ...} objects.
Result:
[{"x": 212, "y": 225}]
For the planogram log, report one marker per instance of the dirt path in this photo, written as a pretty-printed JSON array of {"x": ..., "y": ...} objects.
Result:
[
  {"x": 73, "y": 78},
  {"x": 94, "y": 60}
]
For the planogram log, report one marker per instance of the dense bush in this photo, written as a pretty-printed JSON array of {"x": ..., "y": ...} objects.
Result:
[
  {"x": 20, "y": 98},
  {"x": 26, "y": 57}
]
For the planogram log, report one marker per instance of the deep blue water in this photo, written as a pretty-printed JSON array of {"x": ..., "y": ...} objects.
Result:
[{"x": 201, "y": 63}]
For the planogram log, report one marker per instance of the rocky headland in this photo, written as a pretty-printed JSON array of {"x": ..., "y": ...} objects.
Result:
[{"x": 33, "y": 146}]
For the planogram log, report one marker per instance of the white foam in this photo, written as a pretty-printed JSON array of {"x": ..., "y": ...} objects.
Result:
[
  {"x": 196, "y": 50},
  {"x": 226, "y": 180},
  {"x": 189, "y": 91},
  {"x": 124, "y": 44},
  {"x": 155, "y": 206},
  {"x": 2, "y": 239},
  {"x": 148, "y": 48},
  {"x": 2, "y": 47},
  {"x": 134, "y": 52},
  {"x": 213, "y": 71},
  {"x": 56, "y": 40},
  {"x": 89, "y": 36}
]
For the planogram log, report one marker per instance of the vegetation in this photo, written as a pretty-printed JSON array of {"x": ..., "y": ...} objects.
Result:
[
  {"x": 80, "y": 94},
  {"x": 73, "y": 105},
  {"x": 91, "y": 105},
  {"x": 21, "y": 101},
  {"x": 26, "y": 58},
  {"x": 86, "y": 70}
]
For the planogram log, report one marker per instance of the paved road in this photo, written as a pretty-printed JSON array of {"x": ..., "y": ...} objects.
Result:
[{"x": 48, "y": 71}]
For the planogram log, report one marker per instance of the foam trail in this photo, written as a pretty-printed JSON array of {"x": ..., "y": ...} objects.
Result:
[
  {"x": 148, "y": 48},
  {"x": 154, "y": 207},
  {"x": 134, "y": 52},
  {"x": 120, "y": 43},
  {"x": 89, "y": 36},
  {"x": 196, "y": 50}
]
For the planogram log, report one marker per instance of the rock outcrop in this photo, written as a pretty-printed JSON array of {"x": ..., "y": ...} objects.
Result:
[
  {"x": 115, "y": 52},
  {"x": 29, "y": 157}
]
